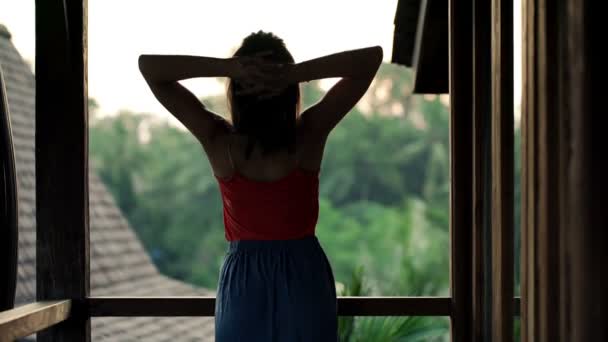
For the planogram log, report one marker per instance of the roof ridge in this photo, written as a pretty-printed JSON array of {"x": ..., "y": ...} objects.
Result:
[{"x": 4, "y": 32}]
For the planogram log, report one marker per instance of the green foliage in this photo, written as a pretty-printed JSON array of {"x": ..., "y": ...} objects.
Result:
[
  {"x": 346, "y": 324},
  {"x": 517, "y": 329},
  {"x": 386, "y": 329},
  {"x": 401, "y": 250},
  {"x": 399, "y": 329}
]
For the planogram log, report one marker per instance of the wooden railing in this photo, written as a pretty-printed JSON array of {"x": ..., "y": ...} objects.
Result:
[
  {"x": 205, "y": 306},
  {"x": 32, "y": 318}
]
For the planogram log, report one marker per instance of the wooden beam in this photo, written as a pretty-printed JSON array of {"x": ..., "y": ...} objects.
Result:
[
  {"x": 482, "y": 187},
  {"x": 62, "y": 221},
  {"x": 502, "y": 171},
  {"x": 565, "y": 280},
  {"x": 461, "y": 167},
  {"x": 151, "y": 306},
  {"x": 430, "y": 56},
  {"x": 547, "y": 187},
  {"x": 582, "y": 126},
  {"x": 9, "y": 211},
  {"x": 406, "y": 19},
  {"x": 394, "y": 306},
  {"x": 31, "y": 318},
  {"x": 528, "y": 173},
  {"x": 540, "y": 181},
  {"x": 205, "y": 306},
  {"x": 564, "y": 290}
]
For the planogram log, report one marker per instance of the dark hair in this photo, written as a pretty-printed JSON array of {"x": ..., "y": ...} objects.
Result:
[{"x": 270, "y": 122}]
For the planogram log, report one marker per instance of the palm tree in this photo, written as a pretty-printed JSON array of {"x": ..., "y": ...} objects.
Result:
[{"x": 386, "y": 329}]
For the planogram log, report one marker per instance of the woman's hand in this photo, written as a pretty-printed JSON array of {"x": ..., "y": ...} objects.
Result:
[
  {"x": 261, "y": 78},
  {"x": 245, "y": 69}
]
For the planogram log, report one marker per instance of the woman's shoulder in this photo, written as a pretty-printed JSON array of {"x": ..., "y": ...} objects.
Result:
[{"x": 309, "y": 147}]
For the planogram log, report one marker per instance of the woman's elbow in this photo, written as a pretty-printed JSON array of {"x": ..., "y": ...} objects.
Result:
[
  {"x": 142, "y": 62},
  {"x": 147, "y": 68},
  {"x": 377, "y": 55},
  {"x": 374, "y": 60}
]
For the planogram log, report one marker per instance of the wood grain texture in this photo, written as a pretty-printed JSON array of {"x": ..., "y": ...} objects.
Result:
[
  {"x": 482, "y": 271},
  {"x": 564, "y": 294},
  {"x": 502, "y": 171},
  {"x": 582, "y": 111},
  {"x": 31, "y": 318},
  {"x": 461, "y": 167},
  {"x": 528, "y": 218},
  {"x": 548, "y": 182},
  {"x": 541, "y": 286},
  {"x": 62, "y": 221}
]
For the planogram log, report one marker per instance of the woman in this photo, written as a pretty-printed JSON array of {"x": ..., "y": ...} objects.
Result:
[{"x": 276, "y": 283}]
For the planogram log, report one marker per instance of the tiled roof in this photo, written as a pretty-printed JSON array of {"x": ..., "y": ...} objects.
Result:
[{"x": 119, "y": 264}]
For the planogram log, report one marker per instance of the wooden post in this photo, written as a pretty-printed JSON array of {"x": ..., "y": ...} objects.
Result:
[
  {"x": 584, "y": 184},
  {"x": 461, "y": 153},
  {"x": 540, "y": 226},
  {"x": 528, "y": 179},
  {"x": 62, "y": 221},
  {"x": 502, "y": 171},
  {"x": 482, "y": 95},
  {"x": 9, "y": 212},
  {"x": 566, "y": 224}
]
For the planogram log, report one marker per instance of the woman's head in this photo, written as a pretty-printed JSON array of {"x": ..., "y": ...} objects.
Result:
[{"x": 269, "y": 122}]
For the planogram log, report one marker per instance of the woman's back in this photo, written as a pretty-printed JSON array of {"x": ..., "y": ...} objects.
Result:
[{"x": 269, "y": 197}]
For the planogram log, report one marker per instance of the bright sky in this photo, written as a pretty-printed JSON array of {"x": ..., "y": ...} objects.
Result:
[{"x": 121, "y": 30}]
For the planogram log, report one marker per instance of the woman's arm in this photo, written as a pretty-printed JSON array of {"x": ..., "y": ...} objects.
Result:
[
  {"x": 162, "y": 73},
  {"x": 357, "y": 69},
  {"x": 169, "y": 68},
  {"x": 359, "y": 64}
]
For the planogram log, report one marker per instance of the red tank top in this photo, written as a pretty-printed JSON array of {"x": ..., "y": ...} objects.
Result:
[{"x": 287, "y": 208}]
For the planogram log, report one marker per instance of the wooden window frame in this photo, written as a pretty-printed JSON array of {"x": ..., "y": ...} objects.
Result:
[{"x": 62, "y": 189}]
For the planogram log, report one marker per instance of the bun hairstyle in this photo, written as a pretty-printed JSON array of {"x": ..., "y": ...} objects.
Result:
[{"x": 269, "y": 122}]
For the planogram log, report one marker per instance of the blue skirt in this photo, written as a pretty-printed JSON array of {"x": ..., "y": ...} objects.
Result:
[{"x": 276, "y": 291}]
